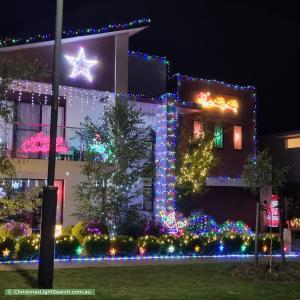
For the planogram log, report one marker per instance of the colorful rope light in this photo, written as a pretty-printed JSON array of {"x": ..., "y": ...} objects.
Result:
[
  {"x": 73, "y": 33},
  {"x": 165, "y": 164}
]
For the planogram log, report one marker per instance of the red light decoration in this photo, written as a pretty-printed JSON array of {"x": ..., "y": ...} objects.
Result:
[{"x": 41, "y": 143}]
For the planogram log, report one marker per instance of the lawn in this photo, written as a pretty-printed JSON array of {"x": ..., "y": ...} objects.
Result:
[{"x": 188, "y": 282}]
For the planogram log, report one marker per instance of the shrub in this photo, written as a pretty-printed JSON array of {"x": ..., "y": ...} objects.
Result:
[
  {"x": 153, "y": 228},
  {"x": 7, "y": 248},
  {"x": 28, "y": 247},
  {"x": 233, "y": 244},
  {"x": 83, "y": 229},
  {"x": 67, "y": 246},
  {"x": 191, "y": 244},
  {"x": 15, "y": 229},
  {"x": 124, "y": 245},
  {"x": 264, "y": 243},
  {"x": 150, "y": 245},
  {"x": 235, "y": 228},
  {"x": 212, "y": 245},
  {"x": 169, "y": 244},
  {"x": 133, "y": 223},
  {"x": 96, "y": 245}
]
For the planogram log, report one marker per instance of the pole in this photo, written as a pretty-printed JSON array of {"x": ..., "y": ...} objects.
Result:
[
  {"x": 281, "y": 228},
  {"x": 46, "y": 259},
  {"x": 256, "y": 231}
]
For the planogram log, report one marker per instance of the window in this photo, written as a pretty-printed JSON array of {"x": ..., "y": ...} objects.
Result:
[
  {"x": 24, "y": 185},
  {"x": 218, "y": 137},
  {"x": 237, "y": 137},
  {"x": 30, "y": 118},
  {"x": 292, "y": 143},
  {"x": 198, "y": 130}
]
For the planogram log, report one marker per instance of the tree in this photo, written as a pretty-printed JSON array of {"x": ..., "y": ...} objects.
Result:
[
  {"x": 260, "y": 171},
  {"x": 197, "y": 163},
  {"x": 17, "y": 204},
  {"x": 117, "y": 152}
]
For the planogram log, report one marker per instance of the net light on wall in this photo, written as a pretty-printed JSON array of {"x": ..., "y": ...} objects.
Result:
[{"x": 81, "y": 65}]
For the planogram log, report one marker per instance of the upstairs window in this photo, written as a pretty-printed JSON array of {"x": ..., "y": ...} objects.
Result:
[
  {"x": 291, "y": 143},
  {"x": 237, "y": 138},
  {"x": 218, "y": 137},
  {"x": 198, "y": 130}
]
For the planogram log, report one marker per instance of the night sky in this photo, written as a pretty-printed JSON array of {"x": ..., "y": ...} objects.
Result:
[{"x": 243, "y": 42}]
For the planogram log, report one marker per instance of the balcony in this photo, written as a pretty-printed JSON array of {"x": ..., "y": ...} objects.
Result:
[{"x": 31, "y": 141}]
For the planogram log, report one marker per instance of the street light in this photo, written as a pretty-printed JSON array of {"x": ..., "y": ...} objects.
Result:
[{"x": 47, "y": 244}]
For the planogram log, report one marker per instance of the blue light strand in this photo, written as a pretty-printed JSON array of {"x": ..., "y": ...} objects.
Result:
[
  {"x": 234, "y": 86},
  {"x": 146, "y": 56},
  {"x": 145, "y": 258}
]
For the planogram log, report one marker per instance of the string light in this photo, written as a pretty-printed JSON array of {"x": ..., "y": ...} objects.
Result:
[
  {"x": 295, "y": 223},
  {"x": 73, "y": 33},
  {"x": 146, "y": 56},
  {"x": 141, "y": 258}
]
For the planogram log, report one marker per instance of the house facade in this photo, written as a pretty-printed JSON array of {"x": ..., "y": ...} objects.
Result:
[{"x": 96, "y": 68}]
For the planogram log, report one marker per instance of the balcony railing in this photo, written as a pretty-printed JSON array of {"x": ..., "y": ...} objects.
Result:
[{"x": 26, "y": 140}]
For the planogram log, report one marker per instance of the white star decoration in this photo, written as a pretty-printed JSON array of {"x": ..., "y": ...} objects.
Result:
[{"x": 81, "y": 65}]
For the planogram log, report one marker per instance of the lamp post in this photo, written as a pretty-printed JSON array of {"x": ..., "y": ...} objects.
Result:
[{"x": 47, "y": 244}]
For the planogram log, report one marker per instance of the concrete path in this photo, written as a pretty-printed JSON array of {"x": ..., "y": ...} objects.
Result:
[{"x": 121, "y": 263}]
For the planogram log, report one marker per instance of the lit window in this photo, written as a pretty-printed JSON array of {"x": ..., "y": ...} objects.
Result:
[
  {"x": 218, "y": 137},
  {"x": 198, "y": 130},
  {"x": 237, "y": 137},
  {"x": 292, "y": 143}
]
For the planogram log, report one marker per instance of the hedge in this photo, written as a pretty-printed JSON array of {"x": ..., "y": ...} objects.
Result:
[{"x": 96, "y": 245}]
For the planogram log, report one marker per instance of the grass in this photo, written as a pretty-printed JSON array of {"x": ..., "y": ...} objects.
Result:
[{"x": 186, "y": 282}]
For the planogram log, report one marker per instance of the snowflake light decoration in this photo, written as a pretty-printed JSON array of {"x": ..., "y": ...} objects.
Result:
[{"x": 81, "y": 65}]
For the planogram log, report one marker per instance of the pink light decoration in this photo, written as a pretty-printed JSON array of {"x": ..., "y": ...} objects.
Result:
[{"x": 41, "y": 143}]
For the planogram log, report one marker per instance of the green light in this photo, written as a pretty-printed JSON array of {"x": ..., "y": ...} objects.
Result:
[{"x": 218, "y": 136}]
